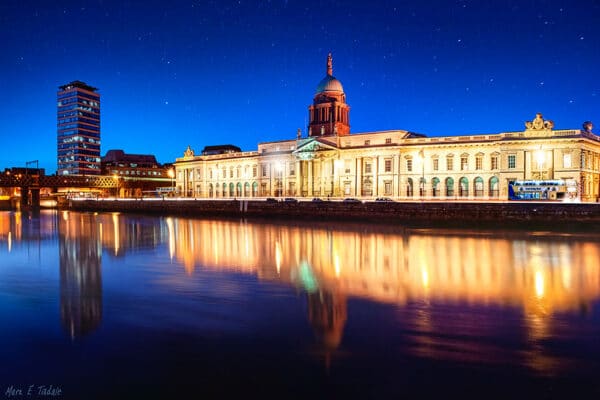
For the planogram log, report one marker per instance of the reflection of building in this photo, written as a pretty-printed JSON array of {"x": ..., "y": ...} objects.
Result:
[
  {"x": 80, "y": 274},
  {"x": 331, "y": 161},
  {"x": 327, "y": 313},
  {"x": 78, "y": 120},
  {"x": 545, "y": 274}
]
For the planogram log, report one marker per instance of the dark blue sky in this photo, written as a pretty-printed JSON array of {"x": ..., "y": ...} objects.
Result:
[{"x": 212, "y": 72}]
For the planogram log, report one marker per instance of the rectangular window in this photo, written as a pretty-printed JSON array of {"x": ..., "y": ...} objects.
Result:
[
  {"x": 436, "y": 164},
  {"x": 254, "y": 171},
  {"x": 409, "y": 165},
  {"x": 367, "y": 142},
  {"x": 292, "y": 169},
  {"x": 231, "y": 173},
  {"x": 512, "y": 161},
  {"x": 479, "y": 163},
  {"x": 449, "y": 163},
  {"x": 387, "y": 188},
  {"x": 464, "y": 163},
  {"x": 367, "y": 168},
  {"x": 264, "y": 169},
  {"x": 347, "y": 170},
  {"x": 388, "y": 140},
  {"x": 566, "y": 160},
  {"x": 388, "y": 165},
  {"x": 494, "y": 162},
  {"x": 223, "y": 173}
]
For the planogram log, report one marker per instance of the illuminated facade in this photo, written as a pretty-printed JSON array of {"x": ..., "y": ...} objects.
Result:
[
  {"x": 78, "y": 129},
  {"x": 399, "y": 164}
]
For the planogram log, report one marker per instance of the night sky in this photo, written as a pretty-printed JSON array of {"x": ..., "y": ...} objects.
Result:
[{"x": 173, "y": 73}]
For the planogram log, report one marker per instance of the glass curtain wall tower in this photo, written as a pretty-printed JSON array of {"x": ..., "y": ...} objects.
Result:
[{"x": 78, "y": 129}]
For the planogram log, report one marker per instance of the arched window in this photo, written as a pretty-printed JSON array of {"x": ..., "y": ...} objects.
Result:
[
  {"x": 224, "y": 190},
  {"x": 409, "y": 187},
  {"x": 210, "y": 190},
  {"x": 435, "y": 190},
  {"x": 494, "y": 187},
  {"x": 246, "y": 189},
  {"x": 463, "y": 187},
  {"x": 255, "y": 189},
  {"x": 478, "y": 185},
  {"x": 422, "y": 183},
  {"x": 238, "y": 190},
  {"x": 231, "y": 190},
  {"x": 449, "y": 187}
]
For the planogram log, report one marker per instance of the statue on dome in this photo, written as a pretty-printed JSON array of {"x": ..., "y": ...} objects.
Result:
[
  {"x": 588, "y": 126},
  {"x": 539, "y": 123}
]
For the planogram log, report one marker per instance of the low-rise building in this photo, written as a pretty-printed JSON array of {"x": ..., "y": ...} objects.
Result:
[{"x": 331, "y": 162}]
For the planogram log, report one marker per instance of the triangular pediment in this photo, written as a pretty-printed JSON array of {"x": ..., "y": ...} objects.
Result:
[{"x": 308, "y": 148}]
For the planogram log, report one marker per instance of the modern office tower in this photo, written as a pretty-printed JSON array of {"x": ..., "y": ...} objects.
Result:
[{"x": 78, "y": 129}]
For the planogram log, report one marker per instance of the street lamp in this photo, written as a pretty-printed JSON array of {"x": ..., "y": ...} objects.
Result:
[{"x": 171, "y": 174}]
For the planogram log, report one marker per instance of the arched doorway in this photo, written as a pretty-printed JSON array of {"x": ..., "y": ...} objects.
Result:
[
  {"x": 409, "y": 187},
  {"x": 494, "y": 187},
  {"x": 435, "y": 191},
  {"x": 255, "y": 189},
  {"x": 238, "y": 190},
  {"x": 478, "y": 186},
  {"x": 463, "y": 187},
  {"x": 224, "y": 190},
  {"x": 210, "y": 190},
  {"x": 246, "y": 189},
  {"x": 449, "y": 187},
  {"x": 231, "y": 190}
]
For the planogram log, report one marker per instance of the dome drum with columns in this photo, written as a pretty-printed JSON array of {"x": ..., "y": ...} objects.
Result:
[{"x": 329, "y": 114}]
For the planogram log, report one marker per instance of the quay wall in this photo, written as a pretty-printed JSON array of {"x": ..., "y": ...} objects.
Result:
[{"x": 455, "y": 213}]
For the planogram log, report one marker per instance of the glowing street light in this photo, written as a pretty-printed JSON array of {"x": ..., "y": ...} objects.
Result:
[{"x": 171, "y": 174}]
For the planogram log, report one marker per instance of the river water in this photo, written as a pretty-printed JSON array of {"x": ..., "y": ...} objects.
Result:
[{"x": 123, "y": 306}]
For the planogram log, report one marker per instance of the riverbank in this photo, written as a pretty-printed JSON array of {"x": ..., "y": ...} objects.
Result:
[{"x": 548, "y": 215}]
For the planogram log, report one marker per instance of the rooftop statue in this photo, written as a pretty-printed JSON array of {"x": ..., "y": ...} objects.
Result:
[{"x": 538, "y": 123}]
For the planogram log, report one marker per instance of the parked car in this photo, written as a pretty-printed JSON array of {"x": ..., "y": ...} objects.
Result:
[
  {"x": 272, "y": 200},
  {"x": 351, "y": 200},
  {"x": 317, "y": 200},
  {"x": 383, "y": 199},
  {"x": 290, "y": 200}
]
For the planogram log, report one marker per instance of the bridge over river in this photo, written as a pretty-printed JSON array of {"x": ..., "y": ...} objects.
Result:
[{"x": 31, "y": 185}]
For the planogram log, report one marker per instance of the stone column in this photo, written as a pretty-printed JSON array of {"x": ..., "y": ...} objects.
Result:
[
  {"x": 358, "y": 177},
  {"x": 310, "y": 178},
  {"x": 376, "y": 176},
  {"x": 298, "y": 178}
]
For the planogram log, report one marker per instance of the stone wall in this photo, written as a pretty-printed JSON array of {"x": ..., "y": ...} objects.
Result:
[{"x": 555, "y": 215}]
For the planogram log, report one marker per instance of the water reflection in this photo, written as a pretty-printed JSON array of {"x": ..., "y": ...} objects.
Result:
[
  {"x": 449, "y": 289},
  {"x": 80, "y": 256}
]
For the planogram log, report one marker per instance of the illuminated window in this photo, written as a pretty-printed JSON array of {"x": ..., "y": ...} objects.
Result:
[
  {"x": 479, "y": 162},
  {"x": 566, "y": 160},
  {"x": 387, "y": 188},
  {"x": 512, "y": 161},
  {"x": 449, "y": 163},
  {"x": 388, "y": 165},
  {"x": 494, "y": 162},
  {"x": 464, "y": 163}
]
